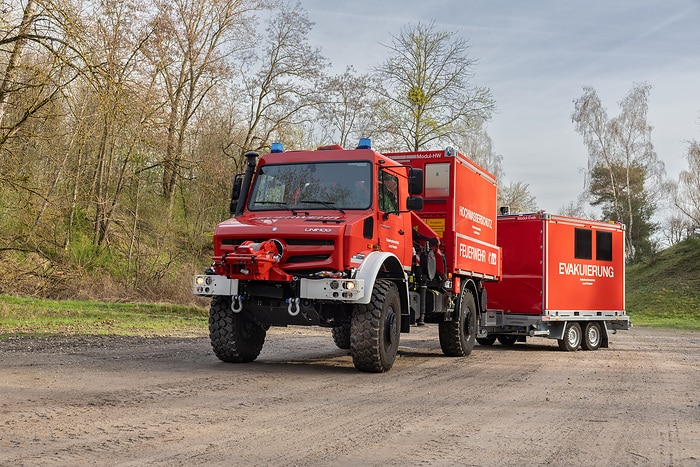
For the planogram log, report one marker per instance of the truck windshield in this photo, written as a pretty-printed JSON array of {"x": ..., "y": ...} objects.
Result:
[{"x": 308, "y": 186}]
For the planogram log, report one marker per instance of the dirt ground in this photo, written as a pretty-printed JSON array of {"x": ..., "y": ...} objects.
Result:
[{"x": 169, "y": 401}]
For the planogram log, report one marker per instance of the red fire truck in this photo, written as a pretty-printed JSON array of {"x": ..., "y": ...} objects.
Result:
[{"x": 364, "y": 243}]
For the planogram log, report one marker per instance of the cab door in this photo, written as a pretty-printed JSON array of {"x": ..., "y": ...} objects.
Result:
[{"x": 393, "y": 219}]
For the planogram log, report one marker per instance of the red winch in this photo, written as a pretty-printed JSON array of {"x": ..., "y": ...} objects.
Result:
[{"x": 254, "y": 261}]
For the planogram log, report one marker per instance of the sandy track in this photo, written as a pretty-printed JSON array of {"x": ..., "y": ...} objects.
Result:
[{"x": 169, "y": 401}]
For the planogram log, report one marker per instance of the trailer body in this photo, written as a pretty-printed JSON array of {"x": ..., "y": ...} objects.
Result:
[{"x": 557, "y": 271}]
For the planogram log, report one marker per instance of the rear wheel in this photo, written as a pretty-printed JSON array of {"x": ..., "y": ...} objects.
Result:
[
  {"x": 507, "y": 340},
  {"x": 341, "y": 336},
  {"x": 592, "y": 336},
  {"x": 457, "y": 337},
  {"x": 375, "y": 329},
  {"x": 488, "y": 340},
  {"x": 235, "y": 337},
  {"x": 572, "y": 338}
]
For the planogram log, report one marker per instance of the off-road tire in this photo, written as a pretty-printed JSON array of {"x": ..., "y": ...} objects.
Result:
[
  {"x": 457, "y": 337},
  {"x": 375, "y": 329},
  {"x": 488, "y": 340},
  {"x": 592, "y": 336},
  {"x": 234, "y": 337},
  {"x": 507, "y": 340},
  {"x": 341, "y": 336}
]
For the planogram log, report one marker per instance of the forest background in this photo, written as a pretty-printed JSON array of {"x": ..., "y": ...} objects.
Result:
[{"x": 122, "y": 124}]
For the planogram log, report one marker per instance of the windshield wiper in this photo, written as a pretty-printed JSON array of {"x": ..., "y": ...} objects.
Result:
[
  {"x": 328, "y": 204},
  {"x": 280, "y": 204}
]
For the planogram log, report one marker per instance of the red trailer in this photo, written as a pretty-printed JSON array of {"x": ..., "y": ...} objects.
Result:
[{"x": 563, "y": 278}]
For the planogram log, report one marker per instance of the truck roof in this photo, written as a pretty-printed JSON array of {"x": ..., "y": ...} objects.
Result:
[{"x": 328, "y": 153}]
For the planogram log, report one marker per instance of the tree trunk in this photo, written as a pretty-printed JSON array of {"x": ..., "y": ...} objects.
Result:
[{"x": 15, "y": 56}]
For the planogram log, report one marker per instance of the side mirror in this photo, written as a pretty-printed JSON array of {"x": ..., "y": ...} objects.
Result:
[
  {"x": 414, "y": 203},
  {"x": 235, "y": 192},
  {"x": 415, "y": 182}
]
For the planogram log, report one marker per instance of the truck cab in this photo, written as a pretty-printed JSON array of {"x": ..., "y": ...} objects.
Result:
[{"x": 313, "y": 235}]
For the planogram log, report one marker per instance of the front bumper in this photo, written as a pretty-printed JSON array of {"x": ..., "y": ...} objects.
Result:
[{"x": 344, "y": 290}]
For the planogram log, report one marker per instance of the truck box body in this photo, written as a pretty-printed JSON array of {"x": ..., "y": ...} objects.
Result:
[
  {"x": 559, "y": 267},
  {"x": 459, "y": 207}
]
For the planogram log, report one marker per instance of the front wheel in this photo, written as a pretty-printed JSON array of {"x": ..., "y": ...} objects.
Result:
[
  {"x": 457, "y": 337},
  {"x": 572, "y": 338},
  {"x": 375, "y": 329},
  {"x": 235, "y": 337}
]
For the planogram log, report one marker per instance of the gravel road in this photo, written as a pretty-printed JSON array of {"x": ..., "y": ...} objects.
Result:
[{"x": 169, "y": 401}]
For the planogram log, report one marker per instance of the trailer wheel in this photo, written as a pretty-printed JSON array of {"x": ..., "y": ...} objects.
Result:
[
  {"x": 234, "y": 337},
  {"x": 341, "y": 336},
  {"x": 572, "y": 338},
  {"x": 488, "y": 340},
  {"x": 507, "y": 340},
  {"x": 592, "y": 336},
  {"x": 457, "y": 337},
  {"x": 375, "y": 329}
]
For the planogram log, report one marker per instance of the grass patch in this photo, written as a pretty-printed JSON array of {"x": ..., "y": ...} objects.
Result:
[
  {"x": 666, "y": 291},
  {"x": 34, "y": 316},
  {"x": 662, "y": 293}
]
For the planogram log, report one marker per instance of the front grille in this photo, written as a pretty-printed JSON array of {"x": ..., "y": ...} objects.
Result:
[
  {"x": 308, "y": 242},
  {"x": 288, "y": 241}
]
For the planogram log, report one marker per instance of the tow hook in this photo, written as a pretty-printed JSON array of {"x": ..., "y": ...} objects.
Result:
[
  {"x": 293, "y": 303},
  {"x": 237, "y": 304}
]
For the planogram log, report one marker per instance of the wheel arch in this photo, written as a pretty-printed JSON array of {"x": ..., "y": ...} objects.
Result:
[
  {"x": 472, "y": 285},
  {"x": 385, "y": 265}
]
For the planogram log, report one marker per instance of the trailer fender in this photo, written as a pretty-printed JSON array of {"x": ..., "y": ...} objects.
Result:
[
  {"x": 382, "y": 264},
  {"x": 556, "y": 329},
  {"x": 605, "y": 342}
]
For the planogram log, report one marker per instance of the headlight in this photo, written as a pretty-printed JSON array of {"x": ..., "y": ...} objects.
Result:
[
  {"x": 349, "y": 285},
  {"x": 199, "y": 280}
]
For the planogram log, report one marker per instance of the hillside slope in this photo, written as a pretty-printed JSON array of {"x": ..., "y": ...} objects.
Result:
[{"x": 666, "y": 291}]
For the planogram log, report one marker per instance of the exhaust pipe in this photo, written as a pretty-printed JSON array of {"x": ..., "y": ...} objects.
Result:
[{"x": 247, "y": 178}]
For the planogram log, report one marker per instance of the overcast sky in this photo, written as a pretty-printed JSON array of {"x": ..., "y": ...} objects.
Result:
[{"x": 536, "y": 56}]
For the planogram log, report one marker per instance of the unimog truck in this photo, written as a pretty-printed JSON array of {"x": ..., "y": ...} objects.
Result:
[{"x": 363, "y": 243}]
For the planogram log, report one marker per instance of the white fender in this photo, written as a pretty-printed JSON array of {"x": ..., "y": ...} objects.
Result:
[{"x": 369, "y": 269}]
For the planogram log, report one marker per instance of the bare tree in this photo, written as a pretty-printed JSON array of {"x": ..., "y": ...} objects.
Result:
[
  {"x": 18, "y": 41},
  {"x": 676, "y": 228},
  {"x": 624, "y": 172},
  {"x": 478, "y": 146},
  {"x": 687, "y": 197},
  {"x": 348, "y": 108},
  {"x": 36, "y": 62},
  {"x": 517, "y": 196},
  {"x": 576, "y": 208},
  {"x": 191, "y": 41},
  {"x": 282, "y": 85},
  {"x": 427, "y": 89}
]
